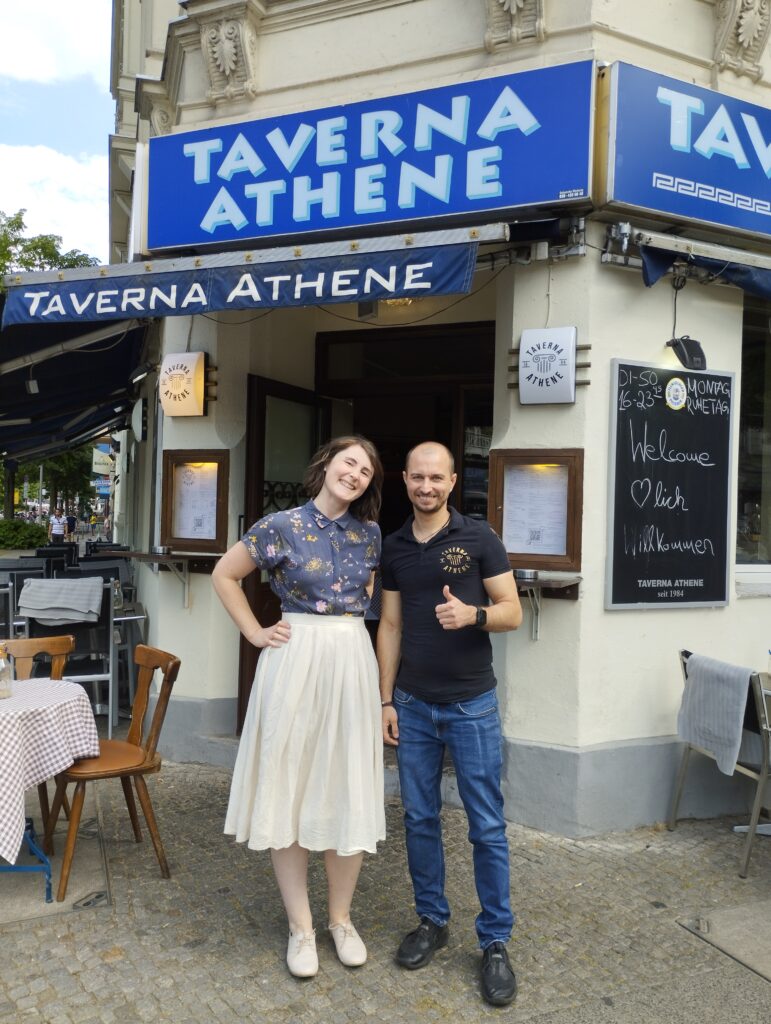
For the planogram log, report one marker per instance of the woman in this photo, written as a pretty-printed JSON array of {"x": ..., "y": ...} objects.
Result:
[{"x": 309, "y": 771}]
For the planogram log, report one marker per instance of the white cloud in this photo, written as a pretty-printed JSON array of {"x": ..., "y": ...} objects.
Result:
[
  {"x": 63, "y": 195},
  {"x": 48, "y": 40}
]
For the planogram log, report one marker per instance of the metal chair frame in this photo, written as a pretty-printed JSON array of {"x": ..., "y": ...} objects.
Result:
[
  {"x": 83, "y": 633},
  {"x": 759, "y": 685}
]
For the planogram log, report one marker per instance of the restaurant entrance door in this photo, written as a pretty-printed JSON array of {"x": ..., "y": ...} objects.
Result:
[{"x": 408, "y": 384}]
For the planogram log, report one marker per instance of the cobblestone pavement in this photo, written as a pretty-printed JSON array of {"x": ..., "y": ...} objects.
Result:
[{"x": 597, "y": 927}]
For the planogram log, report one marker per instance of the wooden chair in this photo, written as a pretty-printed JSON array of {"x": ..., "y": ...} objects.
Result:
[
  {"x": 128, "y": 759},
  {"x": 23, "y": 653}
]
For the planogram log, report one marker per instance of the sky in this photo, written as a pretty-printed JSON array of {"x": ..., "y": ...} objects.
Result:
[{"x": 56, "y": 114}]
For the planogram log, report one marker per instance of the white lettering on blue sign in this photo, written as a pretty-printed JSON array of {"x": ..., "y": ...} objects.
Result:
[
  {"x": 492, "y": 144},
  {"x": 377, "y": 128},
  {"x": 240, "y": 157},
  {"x": 719, "y": 137},
  {"x": 380, "y": 126},
  {"x": 341, "y": 283}
]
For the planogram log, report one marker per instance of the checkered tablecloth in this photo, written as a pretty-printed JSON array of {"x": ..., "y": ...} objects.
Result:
[{"x": 45, "y": 726}]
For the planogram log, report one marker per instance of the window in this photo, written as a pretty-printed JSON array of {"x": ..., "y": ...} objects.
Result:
[{"x": 753, "y": 513}]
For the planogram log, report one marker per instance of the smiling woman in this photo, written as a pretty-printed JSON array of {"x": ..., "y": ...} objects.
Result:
[{"x": 309, "y": 771}]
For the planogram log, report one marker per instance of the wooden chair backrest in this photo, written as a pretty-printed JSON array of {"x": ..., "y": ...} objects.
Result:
[
  {"x": 149, "y": 659},
  {"x": 23, "y": 653}
]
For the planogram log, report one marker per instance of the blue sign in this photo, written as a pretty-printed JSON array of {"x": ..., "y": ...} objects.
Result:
[
  {"x": 691, "y": 152},
  {"x": 468, "y": 149},
  {"x": 439, "y": 270}
]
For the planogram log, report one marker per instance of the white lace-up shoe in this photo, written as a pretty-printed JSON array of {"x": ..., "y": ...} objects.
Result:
[
  {"x": 351, "y": 951},
  {"x": 301, "y": 958}
]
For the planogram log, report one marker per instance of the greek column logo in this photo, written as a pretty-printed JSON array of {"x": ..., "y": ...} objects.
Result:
[
  {"x": 455, "y": 560},
  {"x": 544, "y": 363}
]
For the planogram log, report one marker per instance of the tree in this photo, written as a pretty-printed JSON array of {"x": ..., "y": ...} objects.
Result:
[
  {"x": 64, "y": 476},
  {"x": 19, "y": 252}
]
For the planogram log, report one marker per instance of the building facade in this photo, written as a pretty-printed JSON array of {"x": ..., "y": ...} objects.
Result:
[{"x": 590, "y": 685}]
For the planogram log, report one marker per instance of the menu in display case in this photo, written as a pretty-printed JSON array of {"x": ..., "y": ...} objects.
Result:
[
  {"x": 194, "y": 508},
  {"x": 536, "y": 506}
]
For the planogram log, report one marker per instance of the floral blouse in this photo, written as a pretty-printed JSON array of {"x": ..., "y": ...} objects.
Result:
[{"x": 316, "y": 565}]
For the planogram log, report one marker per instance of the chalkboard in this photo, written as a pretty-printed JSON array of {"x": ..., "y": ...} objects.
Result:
[{"x": 669, "y": 493}]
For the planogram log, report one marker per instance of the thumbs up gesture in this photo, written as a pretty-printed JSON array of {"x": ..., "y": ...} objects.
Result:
[{"x": 454, "y": 614}]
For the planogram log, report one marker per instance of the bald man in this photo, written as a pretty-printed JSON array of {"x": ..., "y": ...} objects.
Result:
[{"x": 447, "y": 584}]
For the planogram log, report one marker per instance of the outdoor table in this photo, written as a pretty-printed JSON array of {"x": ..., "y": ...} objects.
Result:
[{"x": 45, "y": 726}]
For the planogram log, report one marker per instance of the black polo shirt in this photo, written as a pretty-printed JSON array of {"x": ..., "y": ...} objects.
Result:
[{"x": 443, "y": 665}]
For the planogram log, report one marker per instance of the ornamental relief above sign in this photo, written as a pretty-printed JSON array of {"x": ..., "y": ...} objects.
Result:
[
  {"x": 514, "y": 21},
  {"x": 741, "y": 34}
]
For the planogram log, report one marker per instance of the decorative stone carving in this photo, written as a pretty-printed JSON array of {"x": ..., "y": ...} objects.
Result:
[
  {"x": 741, "y": 35},
  {"x": 514, "y": 21},
  {"x": 229, "y": 48},
  {"x": 161, "y": 116}
]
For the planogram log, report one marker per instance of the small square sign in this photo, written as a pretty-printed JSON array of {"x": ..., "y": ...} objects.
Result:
[{"x": 547, "y": 366}]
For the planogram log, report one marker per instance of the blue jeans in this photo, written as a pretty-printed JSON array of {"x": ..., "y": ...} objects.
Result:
[{"x": 471, "y": 731}]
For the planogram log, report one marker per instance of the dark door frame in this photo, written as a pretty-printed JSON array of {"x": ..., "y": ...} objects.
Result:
[{"x": 258, "y": 594}]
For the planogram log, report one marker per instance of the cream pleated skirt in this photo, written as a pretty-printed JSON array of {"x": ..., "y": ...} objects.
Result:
[{"x": 310, "y": 763}]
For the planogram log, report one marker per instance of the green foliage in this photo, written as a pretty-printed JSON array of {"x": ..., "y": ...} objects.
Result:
[
  {"x": 64, "y": 476},
  {"x": 37, "y": 252},
  {"x": 15, "y": 533}
]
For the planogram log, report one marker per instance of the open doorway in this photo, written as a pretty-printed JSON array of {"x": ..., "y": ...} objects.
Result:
[{"x": 406, "y": 385}]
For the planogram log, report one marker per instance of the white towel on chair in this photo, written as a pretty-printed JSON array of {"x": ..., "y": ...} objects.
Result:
[
  {"x": 57, "y": 602},
  {"x": 712, "y": 709}
]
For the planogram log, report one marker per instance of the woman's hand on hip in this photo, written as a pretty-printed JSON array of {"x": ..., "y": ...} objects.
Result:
[{"x": 271, "y": 636}]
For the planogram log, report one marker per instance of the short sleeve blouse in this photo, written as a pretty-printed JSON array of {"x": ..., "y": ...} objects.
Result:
[{"x": 316, "y": 565}]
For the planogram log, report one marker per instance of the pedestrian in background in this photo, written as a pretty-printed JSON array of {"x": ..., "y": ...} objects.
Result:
[
  {"x": 309, "y": 770},
  {"x": 447, "y": 584},
  {"x": 57, "y": 527}
]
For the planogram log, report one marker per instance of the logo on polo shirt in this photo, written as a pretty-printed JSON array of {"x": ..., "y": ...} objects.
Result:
[{"x": 455, "y": 560}]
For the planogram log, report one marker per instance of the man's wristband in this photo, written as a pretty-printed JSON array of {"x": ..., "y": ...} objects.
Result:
[{"x": 386, "y": 703}]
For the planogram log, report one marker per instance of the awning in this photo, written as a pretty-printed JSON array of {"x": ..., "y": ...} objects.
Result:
[
  {"x": 747, "y": 270},
  {"x": 414, "y": 265},
  {"x": 60, "y": 385}
]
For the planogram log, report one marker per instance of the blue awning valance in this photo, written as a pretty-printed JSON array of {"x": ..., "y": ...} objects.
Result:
[
  {"x": 755, "y": 280},
  {"x": 407, "y": 266},
  {"x": 750, "y": 271}
]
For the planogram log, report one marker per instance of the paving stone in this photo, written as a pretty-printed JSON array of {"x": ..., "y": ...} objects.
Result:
[{"x": 597, "y": 919}]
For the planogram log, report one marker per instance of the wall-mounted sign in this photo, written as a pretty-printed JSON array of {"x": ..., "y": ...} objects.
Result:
[
  {"x": 101, "y": 462},
  {"x": 547, "y": 365},
  {"x": 501, "y": 143},
  {"x": 181, "y": 383},
  {"x": 669, "y": 487},
  {"x": 691, "y": 152}
]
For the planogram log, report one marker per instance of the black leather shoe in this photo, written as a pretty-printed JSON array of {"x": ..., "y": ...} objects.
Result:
[
  {"x": 499, "y": 984},
  {"x": 419, "y": 946}
]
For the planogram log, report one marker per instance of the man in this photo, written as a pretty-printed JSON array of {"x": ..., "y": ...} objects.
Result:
[
  {"x": 57, "y": 527},
  {"x": 439, "y": 572},
  {"x": 71, "y": 527}
]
